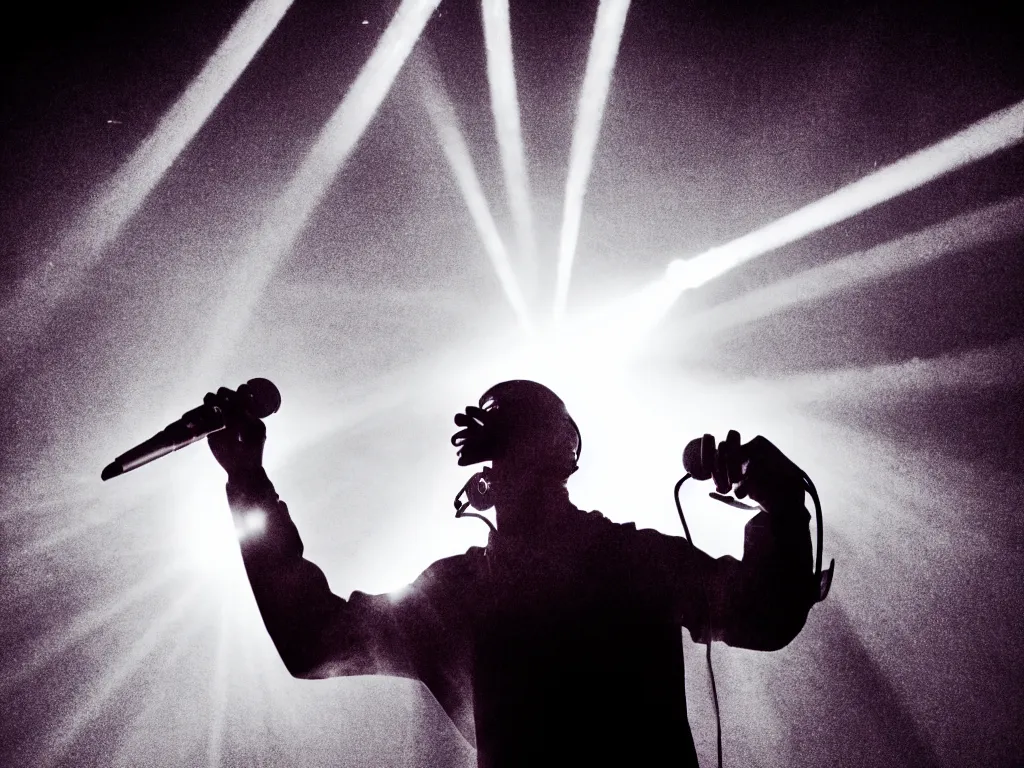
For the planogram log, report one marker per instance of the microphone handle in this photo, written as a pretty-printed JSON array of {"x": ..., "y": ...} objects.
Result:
[{"x": 190, "y": 428}]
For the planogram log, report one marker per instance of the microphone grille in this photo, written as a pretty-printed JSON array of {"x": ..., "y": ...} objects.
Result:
[
  {"x": 264, "y": 398},
  {"x": 692, "y": 461}
]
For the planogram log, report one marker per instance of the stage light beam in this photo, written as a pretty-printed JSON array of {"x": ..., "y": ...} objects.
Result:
[
  {"x": 84, "y": 245},
  {"x": 998, "y": 131},
  {"x": 604, "y": 49},
  {"x": 54, "y": 644},
  {"x": 995, "y": 223},
  {"x": 219, "y": 692},
  {"x": 335, "y": 143},
  {"x": 61, "y": 740},
  {"x": 505, "y": 108},
  {"x": 975, "y": 370},
  {"x": 442, "y": 116}
]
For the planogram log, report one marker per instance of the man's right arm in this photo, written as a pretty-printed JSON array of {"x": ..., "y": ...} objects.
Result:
[
  {"x": 419, "y": 632},
  {"x": 317, "y": 633},
  {"x": 760, "y": 602}
]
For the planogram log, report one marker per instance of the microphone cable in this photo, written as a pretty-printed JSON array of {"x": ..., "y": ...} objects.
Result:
[
  {"x": 824, "y": 586},
  {"x": 711, "y": 669}
]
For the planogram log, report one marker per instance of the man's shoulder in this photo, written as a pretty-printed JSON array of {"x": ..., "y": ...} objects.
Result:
[
  {"x": 465, "y": 564},
  {"x": 594, "y": 529},
  {"x": 596, "y": 521},
  {"x": 448, "y": 576}
]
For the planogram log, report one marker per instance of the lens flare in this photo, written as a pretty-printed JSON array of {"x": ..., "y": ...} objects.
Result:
[{"x": 206, "y": 537}]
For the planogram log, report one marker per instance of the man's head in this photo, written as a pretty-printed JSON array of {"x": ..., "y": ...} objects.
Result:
[{"x": 523, "y": 428}]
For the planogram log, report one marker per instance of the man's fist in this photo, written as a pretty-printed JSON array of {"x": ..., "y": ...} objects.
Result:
[
  {"x": 757, "y": 469},
  {"x": 769, "y": 477},
  {"x": 239, "y": 446}
]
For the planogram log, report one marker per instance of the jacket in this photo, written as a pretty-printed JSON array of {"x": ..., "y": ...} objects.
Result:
[{"x": 565, "y": 649}]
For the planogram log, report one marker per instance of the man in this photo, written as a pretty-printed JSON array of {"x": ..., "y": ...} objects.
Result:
[{"x": 559, "y": 642}]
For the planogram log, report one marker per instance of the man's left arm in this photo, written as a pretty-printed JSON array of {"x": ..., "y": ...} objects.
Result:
[{"x": 760, "y": 602}]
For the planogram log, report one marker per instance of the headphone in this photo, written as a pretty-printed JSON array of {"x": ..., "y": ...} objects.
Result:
[{"x": 478, "y": 489}]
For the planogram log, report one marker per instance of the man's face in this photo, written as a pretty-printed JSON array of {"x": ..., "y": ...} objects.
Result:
[
  {"x": 524, "y": 429},
  {"x": 545, "y": 455}
]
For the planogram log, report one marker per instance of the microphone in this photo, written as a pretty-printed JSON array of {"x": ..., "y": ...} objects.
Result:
[
  {"x": 725, "y": 464},
  {"x": 258, "y": 398}
]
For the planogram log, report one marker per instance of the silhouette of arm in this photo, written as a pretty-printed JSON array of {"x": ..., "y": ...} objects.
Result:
[
  {"x": 760, "y": 602},
  {"x": 415, "y": 633},
  {"x": 421, "y": 632}
]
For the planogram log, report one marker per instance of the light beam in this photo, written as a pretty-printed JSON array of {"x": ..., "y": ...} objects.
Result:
[
  {"x": 442, "y": 116},
  {"x": 974, "y": 370},
  {"x": 219, "y": 693},
  {"x": 996, "y": 132},
  {"x": 56, "y": 643},
  {"x": 120, "y": 198},
  {"x": 604, "y": 49},
  {"x": 64, "y": 737},
  {"x": 505, "y": 108},
  {"x": 994, "y": 223},
  {"x": 337, "y": 139}
]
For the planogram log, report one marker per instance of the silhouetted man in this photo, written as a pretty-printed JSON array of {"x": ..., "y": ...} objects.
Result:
[{"x": 559, "y": 642}]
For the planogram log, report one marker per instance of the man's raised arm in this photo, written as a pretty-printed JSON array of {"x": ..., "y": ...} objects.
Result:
[
  {"x": 317, "y": 633},
  {"x": 419, "y": 633},
  {"x": 760, "y": 602}
]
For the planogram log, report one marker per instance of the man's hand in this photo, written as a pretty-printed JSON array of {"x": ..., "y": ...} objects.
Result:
[
  {"x": 769, "y": 477},
  {"x": 239, "y": 446}
]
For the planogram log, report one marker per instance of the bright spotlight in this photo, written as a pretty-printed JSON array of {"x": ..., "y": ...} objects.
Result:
[
  {"x": 505, "y": 107},
  {"x": 998, "y": 131},
  {"x": 337, "y": 139},
  {"x": 123, "y": 195},
  {"x": 604, "y": 49},
  {"x": 442, "y": 116},
  {"x": 207, "y": 538}
]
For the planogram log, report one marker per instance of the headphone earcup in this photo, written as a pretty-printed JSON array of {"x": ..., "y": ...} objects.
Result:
[{"x": 478, "y": 491}]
